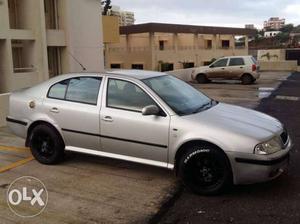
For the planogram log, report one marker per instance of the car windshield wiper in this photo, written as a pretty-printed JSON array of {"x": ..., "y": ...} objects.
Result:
[{"x": 203, "y": 107}]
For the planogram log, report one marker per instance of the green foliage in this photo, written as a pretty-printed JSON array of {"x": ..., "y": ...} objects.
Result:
[{"x": 287, "y": 28}]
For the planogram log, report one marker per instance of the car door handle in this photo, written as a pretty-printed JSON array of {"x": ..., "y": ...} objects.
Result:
[
  {"x": 107, "y": 119},
  {"x": 222, "y": 68},
  {"x": 54, "y": 110},
  {"x": 241, "y": 67}
]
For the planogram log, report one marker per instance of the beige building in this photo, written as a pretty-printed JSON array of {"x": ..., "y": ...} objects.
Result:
[
  {"x": 156, "y": 46},
  {"x": 43, "y": 38},
  {"x": 274, "y": 23}
]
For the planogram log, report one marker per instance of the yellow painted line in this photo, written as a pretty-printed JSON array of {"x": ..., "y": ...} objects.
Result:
[
  {"x": 16, "y": 164},
  {"x": 12, "y": 148}
]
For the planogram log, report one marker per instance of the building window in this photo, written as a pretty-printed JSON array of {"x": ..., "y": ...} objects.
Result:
[
  {"x": 161, "y": 45},
  {"x": 54, "y": 61},
  {"x": 51, "y": 14},
  {"x": 188, "y": 64},
  {"x": 208, "y": 44},
  {"x": 167, "y": 67},
  {"x": 225, "y": 44},
  {"x": 115, "y": 66},
  {"x": 22, "y": 54},
  {"x": 14, "y": 20},
  {"x": 137, "y": 66}
]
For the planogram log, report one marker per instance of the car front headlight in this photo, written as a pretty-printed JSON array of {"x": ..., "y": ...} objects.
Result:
[{"x": 268, "y": 147}]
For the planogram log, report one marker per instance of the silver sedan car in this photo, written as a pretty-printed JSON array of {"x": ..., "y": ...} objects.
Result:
[{"x": 150, "y": 118}]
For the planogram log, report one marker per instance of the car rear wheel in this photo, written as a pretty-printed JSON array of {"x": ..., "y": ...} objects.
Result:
[
  {"x": 205, "y": 170},
  {"x": 247, "y": 79},
  {"x": 202, "y": 78},
  {"x": 46, "y": 145}
]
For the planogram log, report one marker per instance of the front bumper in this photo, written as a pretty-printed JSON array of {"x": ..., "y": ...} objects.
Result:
[{"x": 255, "y": 168}]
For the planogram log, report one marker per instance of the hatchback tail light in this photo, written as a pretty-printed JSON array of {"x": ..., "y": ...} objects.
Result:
[{"x": 254, "y": 68}]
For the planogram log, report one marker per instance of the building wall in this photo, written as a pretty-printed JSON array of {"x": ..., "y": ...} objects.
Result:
[
  {"x": 178, "y": 48},
  {"x": 78, "y": 35},
  {"x": 111, "y": 29}
]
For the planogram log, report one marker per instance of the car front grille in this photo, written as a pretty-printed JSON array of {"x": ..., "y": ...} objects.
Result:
[{"x": 284, "y": 137}]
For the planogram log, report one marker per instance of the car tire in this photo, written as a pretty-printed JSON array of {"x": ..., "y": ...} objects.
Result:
[
  {"x": 46, "y": 145},
  {"x": 247, "y": 79},
  {"x": 205, "y": 170},
  {"x": 202, "y": 78}
]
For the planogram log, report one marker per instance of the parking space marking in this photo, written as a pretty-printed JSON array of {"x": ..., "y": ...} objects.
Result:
[
  {"x": 16, "y": 164},
  {"x": 12, "y": 148}
]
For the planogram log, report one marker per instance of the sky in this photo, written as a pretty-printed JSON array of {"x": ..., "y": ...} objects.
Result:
[{"x": 233, "y": 13}]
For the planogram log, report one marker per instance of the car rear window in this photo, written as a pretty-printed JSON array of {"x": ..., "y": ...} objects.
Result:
[
  {"x": 58, "y": 90},
  {"x": 79, "y": 89},
  {"x": 236, "y": 61}
]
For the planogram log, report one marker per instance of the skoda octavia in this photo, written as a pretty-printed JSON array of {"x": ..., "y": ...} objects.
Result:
[{"x": 150, "y": 118}]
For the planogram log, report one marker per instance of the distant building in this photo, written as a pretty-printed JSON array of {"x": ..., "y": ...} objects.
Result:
[
  {"x": 269, "y": 34},
  {"x": 274, "y": 23},
  {"x": 125, "y": 18},
  {"x": 163, "y": 47},
  {"x": 250, "y": 26}
]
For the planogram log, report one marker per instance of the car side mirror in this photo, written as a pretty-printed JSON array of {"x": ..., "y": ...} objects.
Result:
[{"x": 150, "y": 110}]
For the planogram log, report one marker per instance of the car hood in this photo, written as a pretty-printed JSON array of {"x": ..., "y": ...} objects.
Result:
[{"x": 238, "y": 120}]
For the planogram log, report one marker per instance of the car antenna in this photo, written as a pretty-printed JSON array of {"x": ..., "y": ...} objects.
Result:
[{"x": 75, "y": 59}]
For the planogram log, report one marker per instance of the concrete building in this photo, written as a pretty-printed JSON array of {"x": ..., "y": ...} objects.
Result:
[
  {"x": 126, "y": 18},
  {"x": 43, "y": 38},
  {"x": 156, "y": 46},
  {"x": 274, "y": 23}
]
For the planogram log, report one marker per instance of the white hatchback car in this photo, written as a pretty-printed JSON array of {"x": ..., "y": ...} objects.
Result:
[
  {"x": 151, "y": 118},
  {"x": 244, "y": 68}
]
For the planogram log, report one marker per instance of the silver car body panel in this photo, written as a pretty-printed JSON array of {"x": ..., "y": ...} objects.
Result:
[{"x": 151, "y": 140}]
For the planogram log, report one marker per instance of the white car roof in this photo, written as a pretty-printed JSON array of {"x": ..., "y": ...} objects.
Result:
[{"x": 137, "y": 74}]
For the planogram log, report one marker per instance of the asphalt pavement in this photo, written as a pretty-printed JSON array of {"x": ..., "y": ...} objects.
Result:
[{"x": 273, "y": 202}]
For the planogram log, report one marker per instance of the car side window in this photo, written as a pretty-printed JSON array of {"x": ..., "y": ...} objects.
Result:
[
  {"x": 236, "y": 62},
  {"x": 126, "y": 95},
  {"x": 83, "y": 90},
  {"x": 220, "y": 63},
  {"x": 58, "y": 90},
  {"x": 79, "y": 89}
]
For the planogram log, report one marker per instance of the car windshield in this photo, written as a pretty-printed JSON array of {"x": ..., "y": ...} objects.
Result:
[{"x": 181, "y": 97}]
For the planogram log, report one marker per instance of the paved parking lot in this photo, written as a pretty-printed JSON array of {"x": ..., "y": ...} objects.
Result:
[{"x": 87, "y": 189}]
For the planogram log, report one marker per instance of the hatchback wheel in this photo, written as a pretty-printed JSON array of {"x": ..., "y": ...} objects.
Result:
[
  {"x": 202, "y": 78},
  {"x": 247, "y": 79},
  {"x": 46, "y": 145},
  {"x": 205, "y": 170}
]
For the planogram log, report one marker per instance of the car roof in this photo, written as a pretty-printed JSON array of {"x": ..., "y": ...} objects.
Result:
[
  {"x": 137, "y": 74},
  {"x": 241, "y": 56}
]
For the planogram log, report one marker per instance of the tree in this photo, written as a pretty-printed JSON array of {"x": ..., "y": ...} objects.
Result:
[
  {"x": 287, "y": 28},
  {"x": 106, "y": 7}
]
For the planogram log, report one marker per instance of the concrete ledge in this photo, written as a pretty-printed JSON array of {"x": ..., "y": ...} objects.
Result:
[
  {"x": 4, "y": 102},
  {"x": 278, "y": 65}
]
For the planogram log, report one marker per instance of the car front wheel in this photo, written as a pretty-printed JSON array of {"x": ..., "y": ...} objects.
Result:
[
  {"x": 202, "y": 78},
  {"x": 205, "y": 170},
  {"x": 46, "y": 145}
]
